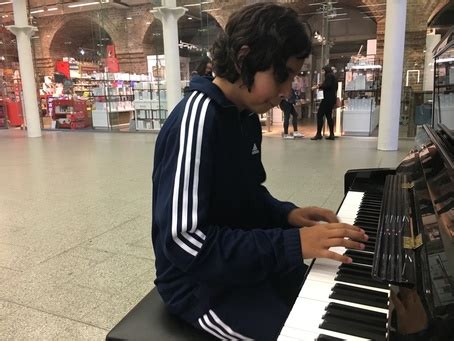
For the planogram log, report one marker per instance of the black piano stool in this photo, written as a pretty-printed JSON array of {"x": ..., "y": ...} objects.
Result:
[{"x": 149, "y": 320}]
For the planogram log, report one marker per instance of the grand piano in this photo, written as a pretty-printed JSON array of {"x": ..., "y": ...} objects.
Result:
[{"x": 408, "y": 213}]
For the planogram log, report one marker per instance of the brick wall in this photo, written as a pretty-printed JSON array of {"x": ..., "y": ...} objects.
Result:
[
  {"x": 419, "y": 13},
  {"x": 128, "y": 35}
]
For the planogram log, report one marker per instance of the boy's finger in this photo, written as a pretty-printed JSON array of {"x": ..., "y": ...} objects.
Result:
[
  {"x": 336, "y": 256},
  {"x": 352, "y": 233},
  {"x": 342, "y": 226},
  {"x": 308, "y": 222},
  {"x": 323, "y": 214},
  {"x": 347, "y": 243}
]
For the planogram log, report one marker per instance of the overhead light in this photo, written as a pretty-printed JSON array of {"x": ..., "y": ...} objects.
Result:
[
  {"x": 37, "y": 11},
  {"x": 374, "y": 5},
  {"x": 84, "y": 4},
  {"x": 129, "y": 18},
  {"x": 189, "y": 18},
  {"x": 365, "y": 67},
  {"x": 445, "y": 60},
  {"x": 340, "y": 19},
  {"x": 148, "y": 22},
  {"x": 5, "y": 3},
  {"x": 52, "y": 9},
  {"x": 82, "y": 52},
  {"x": 323, "y": 3}
]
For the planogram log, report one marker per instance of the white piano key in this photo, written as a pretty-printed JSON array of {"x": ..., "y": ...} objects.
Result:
[
  {"x": 350, "y": 205},
  {"x": 306, "y": 316},
  {"x": 320, "y": 291},
  {"x": 292, "y": 334}
]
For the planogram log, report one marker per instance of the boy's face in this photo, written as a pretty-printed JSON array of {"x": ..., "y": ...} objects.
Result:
[{"x": 266, "y": 92}]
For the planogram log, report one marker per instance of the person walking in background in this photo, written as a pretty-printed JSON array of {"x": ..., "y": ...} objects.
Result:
[
  {"x": 287, "y": 106},
  {"x": 326, "y": 107}
]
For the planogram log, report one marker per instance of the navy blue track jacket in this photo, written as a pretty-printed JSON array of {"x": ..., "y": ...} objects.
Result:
[{"x": 213, "y": 221}]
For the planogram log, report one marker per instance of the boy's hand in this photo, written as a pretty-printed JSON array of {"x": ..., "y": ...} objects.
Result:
[
  {"x": 411, "y": 316},
  {"x": 316, "y": 240},
  {"x": 310, "y": 216}
]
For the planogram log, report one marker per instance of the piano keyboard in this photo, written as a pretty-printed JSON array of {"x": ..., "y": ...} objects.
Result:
[{"x": 342, "y": 301}]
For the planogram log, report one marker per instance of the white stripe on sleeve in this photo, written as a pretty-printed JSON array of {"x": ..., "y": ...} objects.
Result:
[
  {"x": 212, "y": 332},
  {"x": 226, "y": 327},
  {"x": 176, "y": 186},
  {"x": 194, "y": 132}
]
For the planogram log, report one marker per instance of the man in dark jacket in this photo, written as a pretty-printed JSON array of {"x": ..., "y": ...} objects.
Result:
[
  {"x": 229, "y": 256},
  {"x": 329, "y": 87}
]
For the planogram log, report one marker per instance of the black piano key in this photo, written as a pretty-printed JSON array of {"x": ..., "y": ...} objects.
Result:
[
  {"x": 369, "y": 212},
  {"x": 370, "y": 208},
  {"x": 360, "y": 257},
  {"x": 341, "y": 326},
  {"x": 373, "y": 197},
  {"x": 370, "y": 248},
  {"x": 371, "y": 202},
  {"x": 323, "y": 337},
  {"x": 355, "y": 319},
  {"x": 373, "y": 215},
  {"x": 366, "y": 224},
  {"x": 364, "y": 300},
  {"x": 359, "y": 295},
  {"x": 365, "y": 219},
  {"x": 373, "y": 205},
  {"x": 361, "y": 280},
  {"x": 356, "y": 316},
  {"x": 370, "y": 225},
  {"x": 356, "y": 268},
  {"x": 332, "y": 306}
]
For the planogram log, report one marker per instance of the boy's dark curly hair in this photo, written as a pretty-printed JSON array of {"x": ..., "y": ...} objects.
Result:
[{"x": 273, "y": 34}]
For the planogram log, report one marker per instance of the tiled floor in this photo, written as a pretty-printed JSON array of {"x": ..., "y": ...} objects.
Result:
[{"x": 75, "y": 250}]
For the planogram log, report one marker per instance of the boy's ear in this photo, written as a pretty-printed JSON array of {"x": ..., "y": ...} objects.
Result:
[{"x": 243, "y": 52}]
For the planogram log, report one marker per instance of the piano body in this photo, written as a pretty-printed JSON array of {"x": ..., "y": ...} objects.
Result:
[{"x": 408, "y": 214}]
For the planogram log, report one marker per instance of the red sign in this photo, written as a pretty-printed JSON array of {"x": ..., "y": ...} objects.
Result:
[
  {"x": 110, "y": 51},
  {"x": 62, "y": 67},
  {"x": 112, "y": 64}
]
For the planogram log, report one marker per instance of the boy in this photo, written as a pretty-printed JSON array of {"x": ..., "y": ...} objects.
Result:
[{"x": 229, "y": 256}]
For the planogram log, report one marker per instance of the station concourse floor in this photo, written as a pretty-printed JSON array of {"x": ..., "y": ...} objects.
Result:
[{"x": 75, "y": 245}]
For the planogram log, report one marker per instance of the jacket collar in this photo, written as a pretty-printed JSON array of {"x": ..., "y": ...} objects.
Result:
[{"x": 205, "y": 84}]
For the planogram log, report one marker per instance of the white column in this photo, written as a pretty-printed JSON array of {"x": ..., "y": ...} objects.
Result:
[
  {"x": 388, "y": 133},
  {"x": 169, "y": 15},
  {"x": 23, "y": 32},
  {"x": 431, "y": 41}
]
